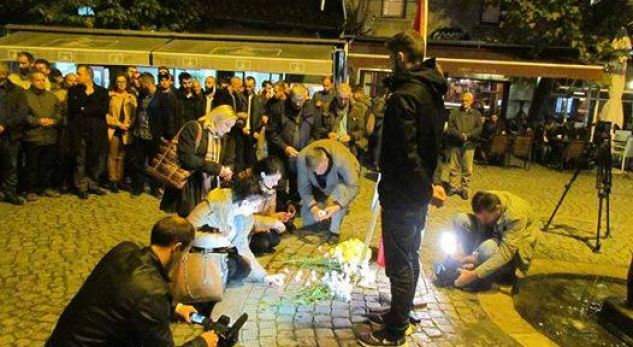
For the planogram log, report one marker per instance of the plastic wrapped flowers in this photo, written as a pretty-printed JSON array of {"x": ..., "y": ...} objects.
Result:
[{"x": 331, "y": 275}]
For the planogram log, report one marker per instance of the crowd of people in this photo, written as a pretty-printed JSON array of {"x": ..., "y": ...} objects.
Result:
[{"x": 65, "y": 134}]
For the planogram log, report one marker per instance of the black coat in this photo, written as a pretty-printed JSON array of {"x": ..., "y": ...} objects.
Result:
[
  {"x": 125, "y": 301},
  {"x": 193, "y": 107},
  {"x": 13, "y": 115},
  {"x": 283, "y": 122},
  {"x": 412, "y": 131},
  {"x": 171, "y": 112},
  {"x": 87, "y": 115},
  {"x": 192, "y": 159}
]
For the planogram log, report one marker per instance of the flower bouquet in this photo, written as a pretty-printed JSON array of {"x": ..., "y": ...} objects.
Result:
[{"x": 332, "y": 275}]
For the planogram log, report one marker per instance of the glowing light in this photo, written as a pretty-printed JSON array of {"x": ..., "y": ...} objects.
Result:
[{"x": 448, "y": 242}]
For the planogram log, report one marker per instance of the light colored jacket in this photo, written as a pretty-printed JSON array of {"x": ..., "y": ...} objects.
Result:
[
  {"x": 519, "y": 235},
  {"x": 217, "y": 211},
  {"x": 344, "y": 175},
  {"x": 127, "y": 103}
]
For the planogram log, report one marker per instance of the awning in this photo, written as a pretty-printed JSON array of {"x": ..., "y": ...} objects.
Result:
[
  {"x": 465, "y": 67},
  {"x": 242, "y": 56},
  {"x": 81, "y": 48}
]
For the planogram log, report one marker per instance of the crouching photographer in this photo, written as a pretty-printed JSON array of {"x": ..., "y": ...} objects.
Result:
[
  {"x": 126, "y": 300},
  {"x": 493, "y": 244}
]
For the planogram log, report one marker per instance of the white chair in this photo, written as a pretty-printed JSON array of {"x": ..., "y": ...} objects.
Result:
[{"x": 625, "y": 152}]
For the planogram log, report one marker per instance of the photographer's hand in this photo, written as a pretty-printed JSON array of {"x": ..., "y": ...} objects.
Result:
[
  {"x": 184, "y": 311},
  {"x": 210, "y": 338},
  {"x": 465, "y": 277}
]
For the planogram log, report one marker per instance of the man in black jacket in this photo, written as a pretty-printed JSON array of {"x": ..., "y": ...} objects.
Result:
[
  {"x": 193, "y": 106},
  {"x": 88, "y": 104},
  {"x": 293, "y": 124},
  {"x": 411, "y": 132},
  {"x": 13, "y": 113},
  {"x": 126, "y": 300}
]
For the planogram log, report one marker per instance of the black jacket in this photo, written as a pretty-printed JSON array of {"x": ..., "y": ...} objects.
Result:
[
  {"x": 87, "y": 114},
  {"x": 412, "y": 131},
  {"x": 193, "y": 107},
  {"x": 124, "y": 302},
  {"x": 171, "y": 113},
  {"x": 284, "y": 121},
  {"x": 13, "y": 110}
]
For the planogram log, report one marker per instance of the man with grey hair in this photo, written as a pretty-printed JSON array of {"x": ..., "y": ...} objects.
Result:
[
  {"x": 328, "y": 177},
  {"x": 293, "y": 124},
  {"x": 464, "y": 129},
  {"x": 12, "y": 118},
  {"x": 88, "y": 104},
  {"x": 344, "y": 121}
]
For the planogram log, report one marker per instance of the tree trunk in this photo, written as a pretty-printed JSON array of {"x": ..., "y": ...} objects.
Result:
[{"x": 541, "y": 102}]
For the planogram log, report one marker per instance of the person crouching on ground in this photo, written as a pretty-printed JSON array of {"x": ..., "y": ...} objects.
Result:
[
  {"x": 230, "y": 211},
  {"x": 277, "y": 212},
  {"x": 498, "y": 240},
  {"x": 126, "y": 300},
  {"x": 328, "y": 182}
]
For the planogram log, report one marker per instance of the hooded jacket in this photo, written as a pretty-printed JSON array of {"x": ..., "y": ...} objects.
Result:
[{"x": 412, "y": 131}]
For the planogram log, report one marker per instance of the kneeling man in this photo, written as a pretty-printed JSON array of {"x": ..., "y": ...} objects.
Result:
[
  {"x": 498, "y": 240},
  {"x": 328, "y": 182}
]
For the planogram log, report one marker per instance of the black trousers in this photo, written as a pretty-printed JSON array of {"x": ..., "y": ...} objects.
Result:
[
  {"x": 402, "y": 237},
  {"x": 265, "y": 241},
  {"x": 9, "y": 154},
  {"x": 142, "y": 152},
  {"x": 90, "y": 156},
  {"x": 40, "y": 161}
]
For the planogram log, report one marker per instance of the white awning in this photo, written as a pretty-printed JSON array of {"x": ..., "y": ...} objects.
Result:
[
  {"x": 81, "y": 48},
  {"x": 246, "y": 56}
]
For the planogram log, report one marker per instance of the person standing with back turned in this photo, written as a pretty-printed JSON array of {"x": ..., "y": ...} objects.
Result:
[{"x": 411, "y": 133}]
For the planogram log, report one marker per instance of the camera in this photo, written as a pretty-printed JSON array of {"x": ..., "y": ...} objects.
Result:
[
  {"x": 228, "y": 334},
  {"x": 446, "y": 272}
]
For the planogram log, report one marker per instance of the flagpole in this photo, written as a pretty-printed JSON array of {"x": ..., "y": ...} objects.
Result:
[{"x": 424, "y": 20}]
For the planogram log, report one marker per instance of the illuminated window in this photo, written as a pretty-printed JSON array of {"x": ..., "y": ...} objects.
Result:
[
  {"x": 86, "y": 11},
  {"x": 393, "y": 8}
]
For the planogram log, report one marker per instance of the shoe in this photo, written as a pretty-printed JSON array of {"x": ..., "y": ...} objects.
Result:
[
  {"x": 114, "y": 187},
  {"x": 13, "y": 199},
  {"x": 377, "y": 322},
  {"x": 381, "y": 338},
  {"x": 464, "y": 194},
  {"x": 333, "y": 238},
  {"x": 98, "y": 191},
  {"x": 51, "y": 193},
  {"x": 31, "y": 197},
  {"x": 82, "y": 195},
  {"x": 156, "y": 193}
]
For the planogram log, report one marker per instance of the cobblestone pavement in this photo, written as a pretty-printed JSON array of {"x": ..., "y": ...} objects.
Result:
[{"x": 50, "y": 246}]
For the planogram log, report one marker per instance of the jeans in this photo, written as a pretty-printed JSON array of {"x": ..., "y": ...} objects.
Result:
[
  {"x": 460, "y": 167},
  {"x": 40, "y": 161},
  {"x": 142, "y": 151},
  {"x": 9, "y": 153},
  {"x": 402, "y": 233}
]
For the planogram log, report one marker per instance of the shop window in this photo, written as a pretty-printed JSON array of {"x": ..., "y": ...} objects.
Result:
[{"x": 393, "y": 8}]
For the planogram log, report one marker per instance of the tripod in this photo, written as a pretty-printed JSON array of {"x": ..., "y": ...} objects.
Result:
[{"x": 602, "y": 157}]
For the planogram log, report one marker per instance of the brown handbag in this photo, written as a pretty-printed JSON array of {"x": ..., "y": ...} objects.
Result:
[
  {"x": 200, "y": 277},
  {"x": 165, "y": 167}
]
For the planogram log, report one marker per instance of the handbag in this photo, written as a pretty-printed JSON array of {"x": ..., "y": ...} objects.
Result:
[
  {"x": 165, "y": 166},
  {"x": 201, "y": 275}
]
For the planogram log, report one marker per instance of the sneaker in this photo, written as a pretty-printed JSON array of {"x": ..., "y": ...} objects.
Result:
[
  {"x": 31, "y": 197},
  {"x": 82, "y": 195},
  {"x": 381, "y": 338},
  {"x": 51, "y": 193},
  {"x": 156, "y": 193},
  {"x": 13, "y": 199},
  {"x": 464, "y": 194},
  {"x": 333, "y": 238},
  {"x": 377, "y": 322},
  {"x": 98, "y": 191}
]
